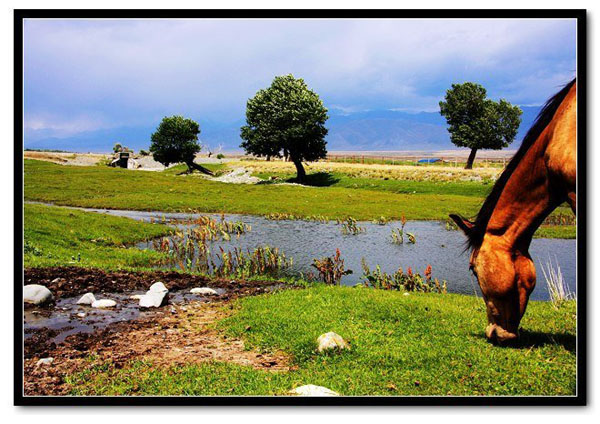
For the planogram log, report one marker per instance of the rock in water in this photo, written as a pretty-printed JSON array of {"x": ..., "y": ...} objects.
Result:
[
  {"x": 312, "y": 390},
  {"x": 153, "y": 300},
  {"x": 86, "y": 299},
  {"x": 157, "y": 296},
  {"x": 44, "y": 361},
  {"x": 330, "y": 341},
  {"x": 204, "y": 290},
  {"x": 104, "y": 303},
  {"x": 37, "y": 294}
]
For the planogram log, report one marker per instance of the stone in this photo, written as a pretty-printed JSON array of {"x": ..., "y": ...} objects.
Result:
[
  {"x": 104, "y": 303},
  {"x": 158, "y": 287},
  {"x": 136, "y": 296},
  {"x": 37, "y": 294},
  {"x": 86, "y": 299},
  {"x": 154, "y": 299},
  {"x": 331, "y": 340},
  {"x": 81, "y": 314},
  {"x": 44, "y": 361},
  {"x": 406, "y": 294},
  {"x": 204, "y": 290},
  {"x": 312, "y": 390}
]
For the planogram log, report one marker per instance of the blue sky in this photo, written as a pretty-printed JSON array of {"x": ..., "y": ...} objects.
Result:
[{"x": 83, "y": 76}]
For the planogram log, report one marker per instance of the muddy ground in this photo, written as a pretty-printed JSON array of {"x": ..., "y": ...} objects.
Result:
[{"x": 174, "y": 334}]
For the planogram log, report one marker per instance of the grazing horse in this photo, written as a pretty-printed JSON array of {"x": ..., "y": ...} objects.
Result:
[{"x": 541, "y": 176}]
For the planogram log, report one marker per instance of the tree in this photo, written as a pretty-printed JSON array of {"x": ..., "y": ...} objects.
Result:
[
  {"x": 477, "y": 122},
  {"x": 117, "y": 147},
  {"x": 176, "y": 141},
  {"x": 286, "y": 119}
]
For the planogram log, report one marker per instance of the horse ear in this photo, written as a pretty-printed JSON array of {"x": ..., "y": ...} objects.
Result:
[{"x": 464, "y": 224}]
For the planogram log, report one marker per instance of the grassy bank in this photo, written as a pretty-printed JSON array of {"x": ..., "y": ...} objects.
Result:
[
  {"x": 56, "y": 236},
  {"x": 421, "y": 344},
  {"x": 125, "y": 189},
  {"x": 334, "y": 195}
]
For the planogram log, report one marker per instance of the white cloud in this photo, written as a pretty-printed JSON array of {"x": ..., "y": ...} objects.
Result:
[{"x": 134, "y": 71}]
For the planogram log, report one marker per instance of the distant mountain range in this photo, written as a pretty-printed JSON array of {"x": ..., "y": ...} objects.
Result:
[{"x": 383, "y": 130}]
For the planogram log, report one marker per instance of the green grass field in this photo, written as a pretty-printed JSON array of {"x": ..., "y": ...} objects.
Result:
[
  {"x": 57, "y": 237},
  {"x": 362, "y": 198},
  {"x": 421, "y": 344}
]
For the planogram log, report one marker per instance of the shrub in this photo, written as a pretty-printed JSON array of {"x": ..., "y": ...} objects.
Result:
[{"x": 220, "y": 156}]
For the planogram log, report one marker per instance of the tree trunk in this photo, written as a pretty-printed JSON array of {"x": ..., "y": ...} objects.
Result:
[
  {"x": 268, "y": 158},
  {"x": 471, "y": 159},
  {"x": 301, "y": 173},
  {"x": 192, "y": 165}
]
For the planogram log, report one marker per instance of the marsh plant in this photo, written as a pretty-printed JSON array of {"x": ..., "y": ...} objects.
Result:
[
  {"x": 399, "y": 280},
  {"x": 350, "y": 226},
  {"x": 331, "y": 269},
  {"x": 398, "y": 233},
  {"x": 557, "y": 286},
  {"x": 561, "y": 219},
  {"x": 190, "y": 250},
  {"x": 382, "y": 220},
  {"x": 281, "y": 216},
  {"x": 263, "y": 260}
]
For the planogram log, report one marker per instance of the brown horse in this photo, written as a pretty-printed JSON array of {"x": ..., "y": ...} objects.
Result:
[{"x": 540, "y": 177}]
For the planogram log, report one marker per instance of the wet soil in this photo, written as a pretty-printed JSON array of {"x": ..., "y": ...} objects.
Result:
[
  {"x": 179, "y": 333},
  {"x": 75, "y": 281}
]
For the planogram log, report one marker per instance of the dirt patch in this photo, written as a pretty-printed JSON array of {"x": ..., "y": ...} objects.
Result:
[
  {"x": 238, "y": 176},
  {"x": 183, "y": 335},
  {"x": 73, "y": 281},
  {"x": 176, "y": 334}
]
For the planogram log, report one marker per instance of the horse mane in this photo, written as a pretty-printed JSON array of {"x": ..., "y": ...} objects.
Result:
[{"x": 475, "y": 236}]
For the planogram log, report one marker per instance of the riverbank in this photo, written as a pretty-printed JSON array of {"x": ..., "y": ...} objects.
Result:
[
  {"x": 103, "y": 187},
  {"x": 420, "y": 344}
]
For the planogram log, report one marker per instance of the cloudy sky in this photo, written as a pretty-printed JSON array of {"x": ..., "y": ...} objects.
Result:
[{"x": 89, "y": 75}]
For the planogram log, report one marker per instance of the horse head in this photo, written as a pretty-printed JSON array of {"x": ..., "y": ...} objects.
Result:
[{"x": 506, "y": 277}]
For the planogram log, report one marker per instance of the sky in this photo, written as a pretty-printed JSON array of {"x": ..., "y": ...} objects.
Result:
[{"x": 82, "y": 76}]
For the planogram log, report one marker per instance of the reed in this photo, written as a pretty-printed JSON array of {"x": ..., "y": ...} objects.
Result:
[{"x": 557, "y": 286}]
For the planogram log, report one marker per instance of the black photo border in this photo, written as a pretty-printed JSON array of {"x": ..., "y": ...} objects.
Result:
[{"x": 582, "y": 304}]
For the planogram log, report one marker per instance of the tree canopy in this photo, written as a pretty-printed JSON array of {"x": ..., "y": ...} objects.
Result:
[
  {"x": 176, "y": 141},
  {"x": 286, "y": 119},
  {"x": 476, "y": 122}
]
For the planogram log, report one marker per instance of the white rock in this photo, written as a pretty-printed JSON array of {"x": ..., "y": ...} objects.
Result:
[
  {"x": 158, "y": 287},
  {"x": 406, "y": 294},
  {"x": 204, "y": 290},
  {"x": 331, "y": 340},
  {"x": 312, "y": 390},
  {"x": 86, "y": 299},
  {"x": 104, "y": 303},
  {"x": 37, "y": 294},
  {"x": 136, "y": 296},
  {"x": 81, "y": 314},
  {"x": 157, "y": 296},
  {"x": 44, "y": 361},
  {"x": 154, "y": 299}
]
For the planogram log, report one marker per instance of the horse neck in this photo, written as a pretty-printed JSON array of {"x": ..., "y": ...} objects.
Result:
[{"x": 525, "y": 202}]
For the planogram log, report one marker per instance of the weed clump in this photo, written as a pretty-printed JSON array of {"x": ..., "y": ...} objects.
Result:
[
  {"x": 331, "y": 269},
  {"x": 399, "y": 280}
]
